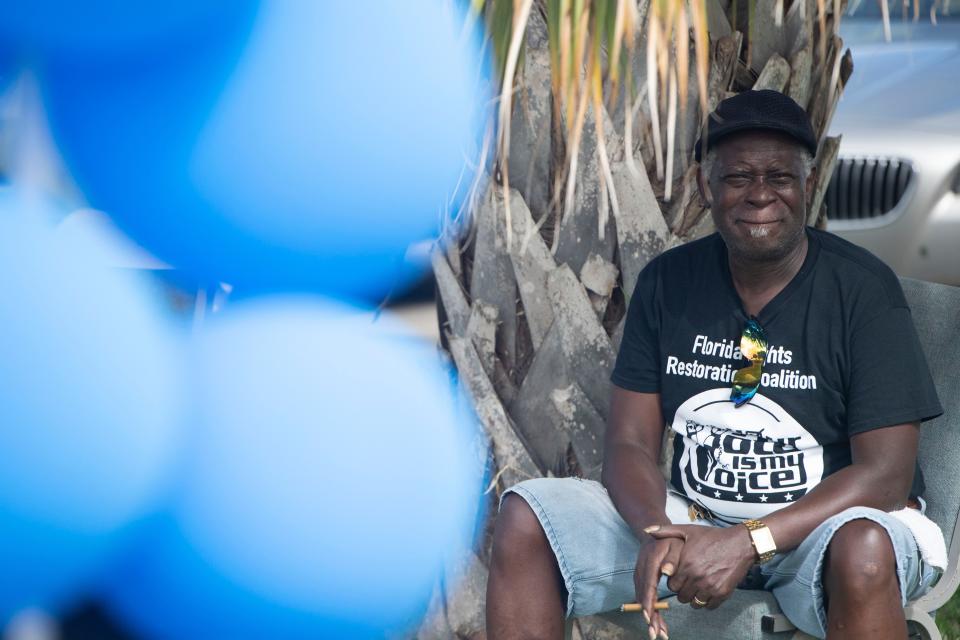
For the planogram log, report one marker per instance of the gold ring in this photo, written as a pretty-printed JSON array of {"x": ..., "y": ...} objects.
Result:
[{"x": 699, "y": 602}]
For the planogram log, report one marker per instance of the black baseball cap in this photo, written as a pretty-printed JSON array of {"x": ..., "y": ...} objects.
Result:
[{"x": 764, "y": 109}]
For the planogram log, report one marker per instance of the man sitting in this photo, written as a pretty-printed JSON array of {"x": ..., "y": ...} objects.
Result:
[{"x": 793, "y": 462}]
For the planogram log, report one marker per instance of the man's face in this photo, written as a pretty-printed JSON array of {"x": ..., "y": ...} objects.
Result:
[{"x": 758, "y": 194}]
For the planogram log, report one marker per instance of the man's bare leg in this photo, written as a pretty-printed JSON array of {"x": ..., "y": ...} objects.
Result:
[
  {"x": 526, "y": 597},
  {"x": 860, "y": 577}
]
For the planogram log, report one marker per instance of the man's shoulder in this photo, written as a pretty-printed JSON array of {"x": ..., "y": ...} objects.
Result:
[
  {"x": 856, "y": 269},
  {"x": 692, "y": 254},
  {"x": 853, "y": 256}
]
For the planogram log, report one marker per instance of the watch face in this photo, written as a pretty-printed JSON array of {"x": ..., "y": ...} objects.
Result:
[{"x": 763, "y": 540}]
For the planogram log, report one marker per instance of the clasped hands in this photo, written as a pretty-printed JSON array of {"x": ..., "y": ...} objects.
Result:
[{"x": 704, "y": 565}]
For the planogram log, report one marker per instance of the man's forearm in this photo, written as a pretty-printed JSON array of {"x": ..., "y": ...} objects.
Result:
[
  {"x": 880, "y": 477},
  {"x": 855, "y": 485},
  {"x": 636, "y": 487}
]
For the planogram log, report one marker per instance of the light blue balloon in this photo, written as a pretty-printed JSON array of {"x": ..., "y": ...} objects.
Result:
[
  {"x": 309, "y": 160},
  {"x": 89, "y": 410},
  {"x": 331, "y": 473}
]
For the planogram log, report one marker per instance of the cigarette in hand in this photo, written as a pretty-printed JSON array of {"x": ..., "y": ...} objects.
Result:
[{"x": 633, "y": 607}]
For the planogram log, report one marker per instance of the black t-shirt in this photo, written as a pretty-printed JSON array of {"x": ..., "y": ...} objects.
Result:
[{"x": 843, "y": 358}]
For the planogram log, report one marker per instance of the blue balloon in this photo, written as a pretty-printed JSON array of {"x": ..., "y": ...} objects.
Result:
[
  {"x": 89, "y": 410},
  {"x": 310, "y": 160},
  {"x": 330, "y": 472},
  {"x": 110, "y": 27}
]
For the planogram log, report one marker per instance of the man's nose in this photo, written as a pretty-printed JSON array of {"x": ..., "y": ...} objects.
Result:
[{"x": 760, "y": 194}]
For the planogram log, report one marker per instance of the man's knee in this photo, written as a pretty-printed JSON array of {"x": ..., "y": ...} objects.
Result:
[
  {"x": 861, "y": 560},
  {"x": 518, "y": 534}
]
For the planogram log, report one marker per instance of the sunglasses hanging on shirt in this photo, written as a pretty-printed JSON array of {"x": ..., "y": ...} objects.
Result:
[{"x": 753, "y": 347}]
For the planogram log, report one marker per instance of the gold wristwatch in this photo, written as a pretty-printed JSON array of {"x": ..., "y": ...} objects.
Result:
[{"x": 762, "y": 540}]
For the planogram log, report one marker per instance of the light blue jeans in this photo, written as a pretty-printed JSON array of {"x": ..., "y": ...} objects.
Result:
[{"x": 597, "y": 552}]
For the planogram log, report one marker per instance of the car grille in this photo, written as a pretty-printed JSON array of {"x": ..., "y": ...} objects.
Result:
[{"x": 863, "y": 188}]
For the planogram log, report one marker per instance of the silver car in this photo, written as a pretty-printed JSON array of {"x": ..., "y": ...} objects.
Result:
[{"x": 896, "y": 187}]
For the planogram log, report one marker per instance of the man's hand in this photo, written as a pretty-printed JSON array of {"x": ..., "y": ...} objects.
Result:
[
  {"x": 713, "y": 561},
  {"x": 655, "y": 558}
]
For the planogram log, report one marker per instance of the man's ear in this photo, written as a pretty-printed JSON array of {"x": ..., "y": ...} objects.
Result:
[
  {"x": 810, "y": 186},
  {"x": 703, "y": 186}
]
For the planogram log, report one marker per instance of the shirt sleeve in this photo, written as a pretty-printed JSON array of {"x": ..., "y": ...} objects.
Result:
[
  {"x": 638, "y": 363},
  {"x": 889, "y": 381}
]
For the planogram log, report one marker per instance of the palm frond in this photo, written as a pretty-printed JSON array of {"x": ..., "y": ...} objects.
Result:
[
  {"x": 518, "y": 22},
  {"x": 592, "y": 45}
]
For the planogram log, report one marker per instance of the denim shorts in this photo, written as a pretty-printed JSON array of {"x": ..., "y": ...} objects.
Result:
[{"x": 597, "y": 552}]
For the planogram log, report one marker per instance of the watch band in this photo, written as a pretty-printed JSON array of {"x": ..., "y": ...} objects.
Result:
[{"x": 762, "y": 540}]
